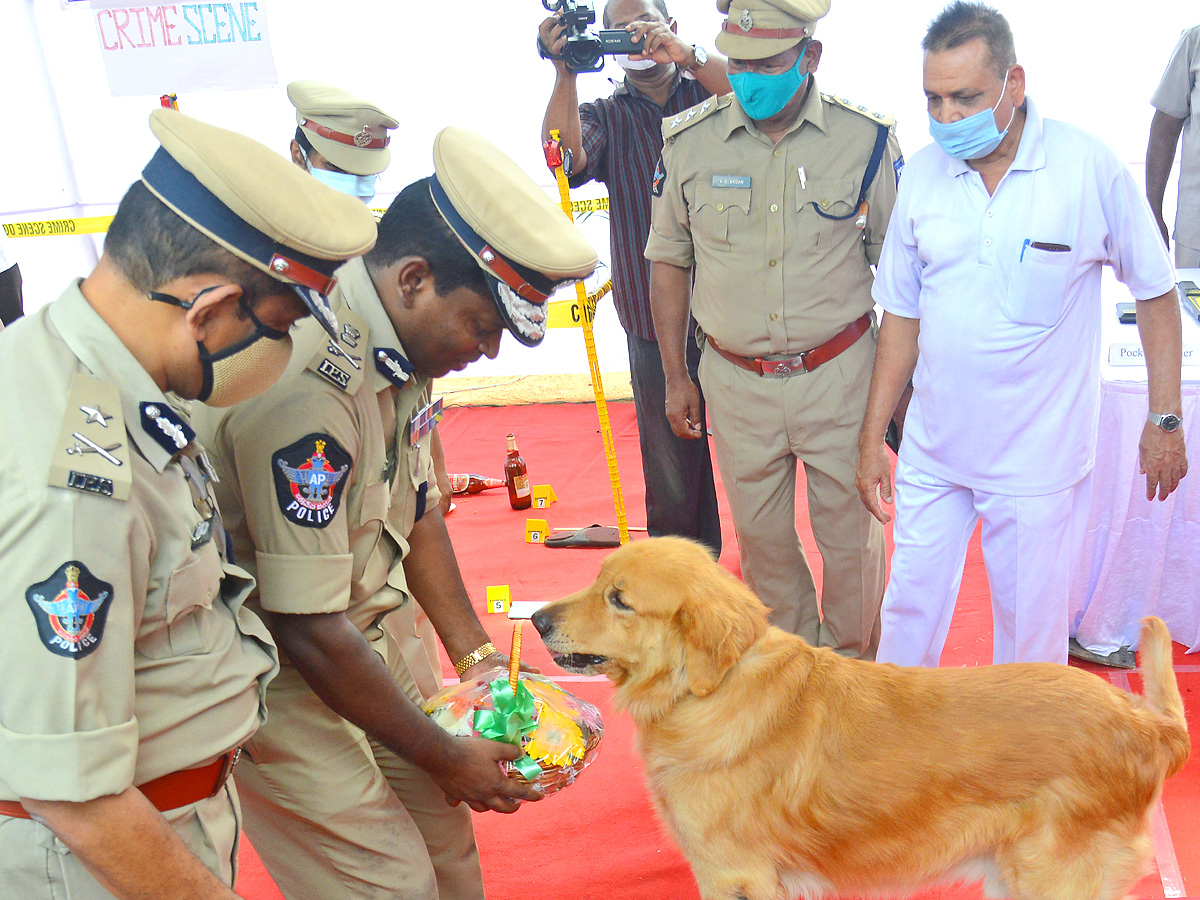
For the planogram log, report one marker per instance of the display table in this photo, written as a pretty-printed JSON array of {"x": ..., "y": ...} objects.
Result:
[{"x": 1140, "y": 557}]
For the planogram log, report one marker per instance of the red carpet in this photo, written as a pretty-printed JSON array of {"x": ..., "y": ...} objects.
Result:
[{"x": 599, "y": 839}]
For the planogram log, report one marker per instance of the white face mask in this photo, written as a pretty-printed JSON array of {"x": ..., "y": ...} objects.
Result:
[
  {"x": 360, "y": 186},
  {"x": 633, "y": 65}
]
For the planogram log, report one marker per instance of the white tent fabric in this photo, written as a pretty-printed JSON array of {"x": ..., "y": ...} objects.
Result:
[{"x": 71, "y": 148}]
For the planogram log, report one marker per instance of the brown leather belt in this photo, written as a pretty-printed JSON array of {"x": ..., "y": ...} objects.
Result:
[
  {"x": 806, "y": 361},
  {"x": 170, "y": 791}
]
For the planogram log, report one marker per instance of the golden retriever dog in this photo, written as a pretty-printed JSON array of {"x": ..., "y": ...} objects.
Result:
[{"x": 784, "y": 771}]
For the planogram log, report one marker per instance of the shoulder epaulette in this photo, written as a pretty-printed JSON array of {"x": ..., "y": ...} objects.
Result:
[
  {"x": 341, "y": 361},
  {"x": 672, "y": 125},
  {"x": 886, "y": 119},
  {"x": 92, "y": 454}
]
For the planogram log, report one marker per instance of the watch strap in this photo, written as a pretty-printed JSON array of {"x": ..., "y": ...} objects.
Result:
[
  {"x": 478, "y": 655},
  {"x": 1168, "y": 422}
]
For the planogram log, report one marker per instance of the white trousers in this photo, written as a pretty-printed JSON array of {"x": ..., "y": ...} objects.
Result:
[{"x": 1029, "y": 547}]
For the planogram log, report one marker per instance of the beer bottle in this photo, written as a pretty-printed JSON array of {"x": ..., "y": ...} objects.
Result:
[
  {"x": 516, "y": 476},
  {"x": 473, "y": 484}
]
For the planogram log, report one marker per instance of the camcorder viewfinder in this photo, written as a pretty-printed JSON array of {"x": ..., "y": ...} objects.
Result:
[{"x": 584, "y": 51}]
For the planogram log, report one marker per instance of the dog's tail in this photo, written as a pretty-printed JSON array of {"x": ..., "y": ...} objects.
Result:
[{"x": 1161, "y": 690}]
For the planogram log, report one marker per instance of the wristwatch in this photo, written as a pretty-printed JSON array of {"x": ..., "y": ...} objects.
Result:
[
  {"x": 699, "y": 58},
  {"x": 1168, "y": 422}
]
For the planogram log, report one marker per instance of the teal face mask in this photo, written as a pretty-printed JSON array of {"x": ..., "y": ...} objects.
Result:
[
  {"x": 763, "y": 96},
  {"x": 360, "y": 186},
  {"x": 975, "y": 136}
]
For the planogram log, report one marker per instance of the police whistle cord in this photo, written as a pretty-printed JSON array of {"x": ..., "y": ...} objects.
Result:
[{"x": 553, "y": 152}]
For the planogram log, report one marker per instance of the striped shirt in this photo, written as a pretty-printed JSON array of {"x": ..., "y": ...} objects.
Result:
[{"x": 622, "y": 137}]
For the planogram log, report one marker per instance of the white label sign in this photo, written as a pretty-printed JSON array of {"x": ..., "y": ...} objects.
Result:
[
  {"x": 1132, "y": 355},
  {"x": 178, "y": 47}
]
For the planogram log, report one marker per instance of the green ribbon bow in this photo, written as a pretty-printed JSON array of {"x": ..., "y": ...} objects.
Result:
[{"x": 514, "y": 716}]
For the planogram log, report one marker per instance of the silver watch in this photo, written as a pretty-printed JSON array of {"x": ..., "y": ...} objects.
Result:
[
  {"x": 1168, "y": 422},
  {"x": 700, "y": 58}
]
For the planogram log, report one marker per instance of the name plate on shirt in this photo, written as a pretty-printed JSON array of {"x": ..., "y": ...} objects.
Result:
[
  {"x": 1132, "y": 355},
  {"x": 731, "y": 181},
  {"x": 422, "y": 422}
]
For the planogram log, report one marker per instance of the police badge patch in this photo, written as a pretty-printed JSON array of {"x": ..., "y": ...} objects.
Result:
[
  {"x": 310, "y": 476},
  {"x": 70, "y": 608},
  {"x": 660, "y": 176}
]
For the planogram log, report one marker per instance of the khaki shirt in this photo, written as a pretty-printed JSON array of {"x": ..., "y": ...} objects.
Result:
[
  {"x": 340, "y": 548},
  {"x": 772, "y": 276},
  {"x": 161, "y": 668}
]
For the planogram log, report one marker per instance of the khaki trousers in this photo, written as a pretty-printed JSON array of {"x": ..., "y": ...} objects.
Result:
[
  {"x": 333, "y": 814},
  {"x": 35, "y": 865},
  {"x": 761, "y": 427}
]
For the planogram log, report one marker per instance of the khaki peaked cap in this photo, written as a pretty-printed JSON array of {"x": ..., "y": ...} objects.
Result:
[
  {"x": 257, "y": 205},
  {"x": 519, "y": 236},
  {"x": 756, "y": 29},
  {"x": 349, "y": 132}
]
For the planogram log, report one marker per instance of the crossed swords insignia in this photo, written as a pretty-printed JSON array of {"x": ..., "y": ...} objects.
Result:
[{"x": 95, "y": 416}]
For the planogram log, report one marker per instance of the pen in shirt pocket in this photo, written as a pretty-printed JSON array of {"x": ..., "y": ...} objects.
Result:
[{"x": 1048, "y": 246}]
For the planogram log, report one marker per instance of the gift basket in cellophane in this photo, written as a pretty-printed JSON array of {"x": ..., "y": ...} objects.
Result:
[{"x": 558, "y": 732}]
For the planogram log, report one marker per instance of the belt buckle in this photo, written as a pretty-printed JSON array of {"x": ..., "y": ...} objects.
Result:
[
  {"x": 231, "y": 760},
  {"x": 784, "y": 368}
]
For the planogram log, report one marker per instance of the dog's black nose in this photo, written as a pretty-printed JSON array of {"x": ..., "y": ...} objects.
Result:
[{"x": 542, "y": 622}]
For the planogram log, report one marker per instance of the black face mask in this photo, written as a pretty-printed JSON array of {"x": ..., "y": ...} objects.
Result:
[{"x": 245, "y": 368}]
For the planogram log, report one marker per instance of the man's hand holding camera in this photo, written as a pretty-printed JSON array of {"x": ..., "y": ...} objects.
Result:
[
  {"x": 552, "y": 37},
  {"x": 661, "y": 44}
]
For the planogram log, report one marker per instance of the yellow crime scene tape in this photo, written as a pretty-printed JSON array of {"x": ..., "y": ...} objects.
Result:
[
  {"x": 566, "y": 313},
  {"x": 99, "y": 225},
  {"x": 55, "y": 227}
]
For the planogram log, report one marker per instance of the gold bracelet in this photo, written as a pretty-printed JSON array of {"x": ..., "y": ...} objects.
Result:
[{"x": 477, "y": 656}]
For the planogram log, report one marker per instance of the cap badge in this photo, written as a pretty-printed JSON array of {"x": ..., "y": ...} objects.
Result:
[
  {"x": 363, "y": 138},
  {"x": 746, "y": 22}
]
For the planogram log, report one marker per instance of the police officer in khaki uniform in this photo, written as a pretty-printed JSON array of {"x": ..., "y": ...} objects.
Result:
[
  {"x": 340, "y": 139},
  {"x": 131, "y": 671},
  {"x": 343, "y": 141},
  {"x": 779, "y": 196},
  {"x": 327, "y": 485}
]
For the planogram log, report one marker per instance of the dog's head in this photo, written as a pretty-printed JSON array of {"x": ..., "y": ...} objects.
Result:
[{"x": 661, "y": 615}]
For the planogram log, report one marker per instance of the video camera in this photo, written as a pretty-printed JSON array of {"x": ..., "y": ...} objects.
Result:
[{"x": 585, "y": 51}]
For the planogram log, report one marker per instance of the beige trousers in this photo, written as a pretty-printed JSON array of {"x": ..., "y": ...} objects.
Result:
[
  {"x": 761, "y": 427},
  {"x": 333, "y": 814},
  {"x": 35, "y": 865}
]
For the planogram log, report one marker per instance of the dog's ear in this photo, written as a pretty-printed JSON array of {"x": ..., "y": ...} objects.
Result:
[{"x": 718, "y": 621}]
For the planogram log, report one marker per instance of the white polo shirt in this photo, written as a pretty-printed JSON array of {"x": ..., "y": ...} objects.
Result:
[
  {"x": 1006, "y": 389},
  {"x": 1178, "y": 95}
]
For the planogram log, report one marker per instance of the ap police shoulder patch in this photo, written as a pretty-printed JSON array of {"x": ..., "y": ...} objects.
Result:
[
  {"x": 310, "y": 476},
  {"x": 70, "y": 608}
]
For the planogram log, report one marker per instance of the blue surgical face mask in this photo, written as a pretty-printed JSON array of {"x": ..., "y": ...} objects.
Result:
[
  {"x": 973, "y": 137},
  {"x": 360, "y": 186},
  {"x": 763, "y": 96}
]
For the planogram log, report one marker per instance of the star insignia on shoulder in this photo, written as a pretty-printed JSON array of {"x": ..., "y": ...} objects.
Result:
[
  {"x": 690, "y": 114},
  {"x": 675, "y": 122}
]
